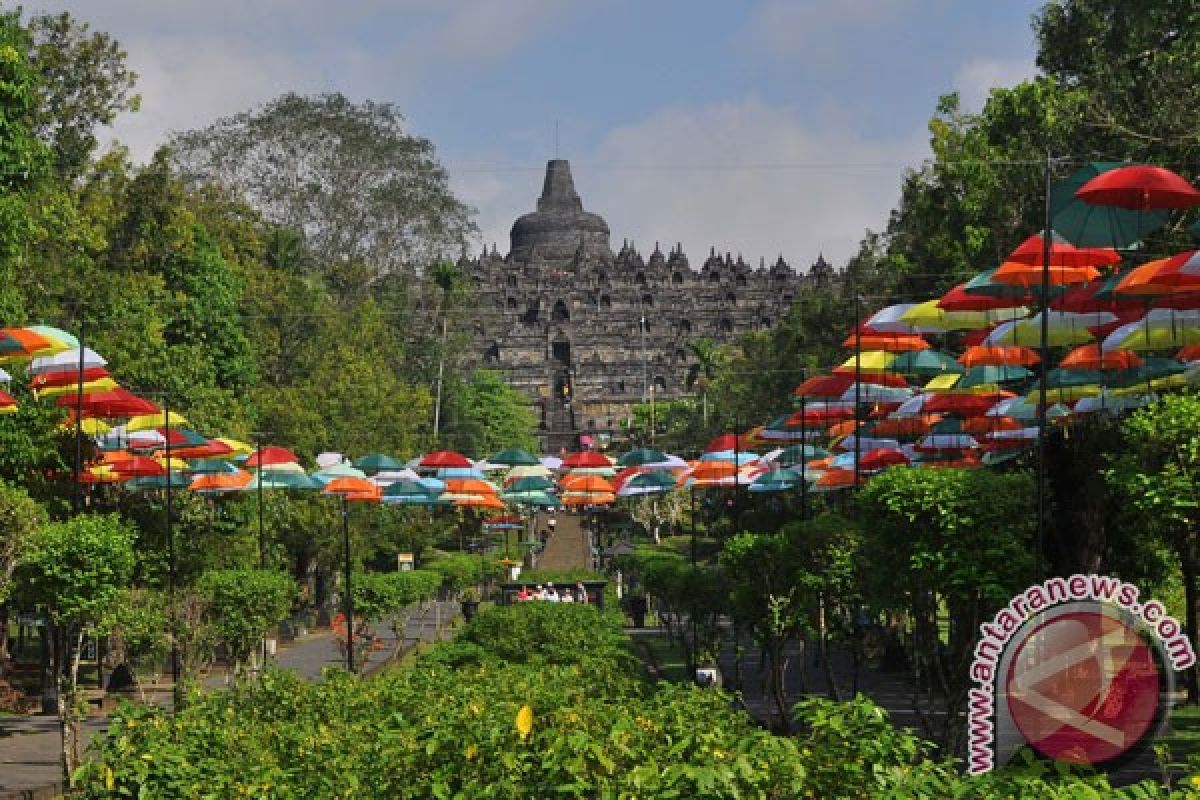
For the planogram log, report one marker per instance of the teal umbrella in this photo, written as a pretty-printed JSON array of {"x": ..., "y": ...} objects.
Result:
[
  {"x": 281, "y": 479},
  {"x": 640, "y": 456},
  {"x": 1086, "y": 225},
  {"x": 514, "y": 457},
  {"x": 778, "y": 480},
  {"x": 377, "y": 463},
  {"x": 800, "y": 454},
  {"x": 643, "y": 483},
  {"x": 210, "y": 466},
  {"x": 530, "y": 483},
  {"x": 530, "y": 499},
  {"x": 990, "y": 373},
  {"x": 329, "y": 474},
  {"x": 413, "y": 493},
  {"x": 1058, "y": 378},
  {"x": 149, "y": 482},
  {"x": 925, "y": 363}
]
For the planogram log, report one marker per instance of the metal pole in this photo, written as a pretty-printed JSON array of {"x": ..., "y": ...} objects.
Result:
[
  {"x": 645, "y": 377},
  {"x": 349, "y": 601},
  {"x": 803, "y": 458},
  {"x": 692, "y": 649},
  {"x": 1044, "y": 355},
  {"x": 170, "y": 544},
  {"x": 77, "y": 495},
  {"x": 437, "y": 404},
  {"x": 857, "y": 382},
  {"x": 262, "y": 539}
]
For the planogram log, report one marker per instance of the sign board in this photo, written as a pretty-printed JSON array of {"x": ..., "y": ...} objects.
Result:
[{"x": 404, "y": 561}]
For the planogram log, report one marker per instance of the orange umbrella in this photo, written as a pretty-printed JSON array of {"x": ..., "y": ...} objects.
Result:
[
  {"x": 349, "y": 486},
  {"x": 1140, "y": 281},
  {"x": 906, "y": 426},
  {"x": 836, "y": 479},
  {"x": 891, "y": 342},
  {"x": 712, "y": 471},
  {"x": 1090, "y": 356},
  {"x": 998, "y": 356},
  {"x": 221, "y": 481},
  {"x": 1015, "y": 273},
  {"x": 588, "y": 498},
  {"x": 984, "y": 425},
  {"x": 842, "y": 429},
  {"x": 479, "y": 501},
  {"x": 586, "y": 483},
  {"x": 468, "y": 486}
]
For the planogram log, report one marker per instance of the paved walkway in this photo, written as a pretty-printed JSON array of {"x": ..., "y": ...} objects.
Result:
[
  {"x": 568, "y": 546},
  {"x": 30, "y": 746}
]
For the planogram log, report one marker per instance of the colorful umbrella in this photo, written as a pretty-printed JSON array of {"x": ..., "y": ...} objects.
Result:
[
  {"x": 1093, "y": 225},
  {"x": 445, "y": 458},
  {"x": 514, "y": 457},
  {"x": 1139, "y": 187}
]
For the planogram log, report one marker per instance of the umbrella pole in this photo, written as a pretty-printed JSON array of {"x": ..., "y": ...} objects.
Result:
[
  {"x": 692, "y": 615},
  {"x": 348, "y": 603},
  {"x": 77, "y": 495},
  {"x": 1044, "y": 354},
  {"x": 171, "y": 552},
  {"x": 262, "y": 541},
  {"x": 857, "y": 382},
  {"x": 803, "y": 459}
]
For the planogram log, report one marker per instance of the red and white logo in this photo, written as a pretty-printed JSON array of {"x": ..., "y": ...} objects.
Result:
[{"x": 1083, "y": 687}]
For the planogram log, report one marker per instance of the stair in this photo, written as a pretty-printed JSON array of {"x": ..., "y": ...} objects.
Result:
[{"x": 567, "y": 546}]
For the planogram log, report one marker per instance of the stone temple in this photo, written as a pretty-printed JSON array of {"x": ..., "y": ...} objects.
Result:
[{"x": 588, "y": 333}]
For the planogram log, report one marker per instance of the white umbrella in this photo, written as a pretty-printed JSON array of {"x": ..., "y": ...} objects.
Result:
[
  {"x": 325, "y": 460},
  {"x": 65, "y": 361}
]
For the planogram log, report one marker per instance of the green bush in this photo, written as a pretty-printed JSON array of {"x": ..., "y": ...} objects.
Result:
[{"x": 243, "y": 604}]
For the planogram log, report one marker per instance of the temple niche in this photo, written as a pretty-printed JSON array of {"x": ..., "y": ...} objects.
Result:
[{"x": 589, "y": 333}]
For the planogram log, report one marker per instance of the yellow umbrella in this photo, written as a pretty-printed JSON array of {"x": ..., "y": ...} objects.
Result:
[
  {"x": 942, "y": 383},
  {"x": 92, "y": 426},
  {"x": 869, "y": 361},
  {"x": 1064, "y": 394},
  {"x": 1154, "y": 338},
  {"x": 531, "y": 471},
  {"x": 98, "y": 385},
  {"x": 929, "y": 315},
  {"x": 148, "y": 421},
  {"x": 237, "y": 448},
  {"x": 177, "y": 464}
]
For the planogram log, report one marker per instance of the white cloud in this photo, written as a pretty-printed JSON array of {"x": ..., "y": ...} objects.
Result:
[
  {"x": 975, "y": 79},
  {"x": 741, "y": 176}
]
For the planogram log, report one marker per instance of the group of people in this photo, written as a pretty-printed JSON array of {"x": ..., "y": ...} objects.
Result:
[{"x": 576, "y": 594}]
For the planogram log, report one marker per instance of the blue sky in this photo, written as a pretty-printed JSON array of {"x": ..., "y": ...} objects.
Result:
[{"x": 756, "y": 126}]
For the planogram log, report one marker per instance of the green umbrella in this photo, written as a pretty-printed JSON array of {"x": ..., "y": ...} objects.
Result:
[
  {"x": 329, "y": 474},
  {"x": 529, "y": 499},
  {"x": 412, "y": 493},
  {"x": 947, "y": 425},
  {"x": 530, "y": 483},
  {"x": 376, "y": 463},
  {"x": 800, "y": 454},
  {"x": 514, "y": 457},
  {"x": 210, "y": 466},
  {"x": 653, "y": 482},
  {"x": 1086, "y": 225},
  {"x": 147, "y": 482},
  {"x": 991, "y": 373},
  {"x": 281, "y": 479},
  {"x": 640, "y": 456},
  {"x": 1058, "y": 378},
  {"x": 779, "y": 480},
  {"x": 925, "y": 363}
]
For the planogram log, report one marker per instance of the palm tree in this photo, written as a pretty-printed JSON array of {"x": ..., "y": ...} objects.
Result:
[{"x": 703, "y": 371}]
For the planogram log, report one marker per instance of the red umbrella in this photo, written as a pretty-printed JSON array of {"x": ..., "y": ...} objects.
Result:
[
  {"x": 890, "y": 342},
  {"x": 139, "y": 467},
  {"x": 1180, "y": 302},
  {"x": 445, "y": 458},
  {"x": 1081, "y": 299},
  {"x": 1090, "y": 357},
  {"x": 824, "y": 386},
  {"x": 69, "y": 377},
  {"x": 1139, "y": 187},
  {"x": 1188, "y": 353},
  {"x": 587, "y": 458},
  {"x": 958, "y": 299},
  {"x": 267, "y": 456},
  {"x": 966, "y": 405},
  {"x": 882, "y": 458},
  {"x": 971, "y": 338},
  {"x": 998, "y": 356},
  {"x": 210, "y": 449},
  {"x": 113, "y": 403},
  {"x": 1062, "y": 253}
]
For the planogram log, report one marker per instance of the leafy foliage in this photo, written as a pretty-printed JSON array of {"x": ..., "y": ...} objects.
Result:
[{"x": 243, "y": 604}]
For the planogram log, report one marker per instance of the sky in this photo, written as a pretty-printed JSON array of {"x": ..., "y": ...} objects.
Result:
[{"x": 760, "y": 127}]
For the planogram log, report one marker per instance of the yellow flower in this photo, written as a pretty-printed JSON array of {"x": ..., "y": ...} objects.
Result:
[
  {"x": 525, "y": 722},
  {"x": 472, "y": 751},
  {"x": 109, "y": 779}
]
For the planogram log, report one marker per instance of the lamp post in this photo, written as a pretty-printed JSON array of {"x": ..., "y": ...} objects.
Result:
[
  {"x": 170, "y": 544},
  {"x": 857, "y": 383},
  {"x": 692, "y": 649},
  {"x": 1043, "y": 355}
]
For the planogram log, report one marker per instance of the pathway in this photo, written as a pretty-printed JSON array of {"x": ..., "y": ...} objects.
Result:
[
  {"x": 30, "y": 746},
  {"x": 568, "y": 546}
]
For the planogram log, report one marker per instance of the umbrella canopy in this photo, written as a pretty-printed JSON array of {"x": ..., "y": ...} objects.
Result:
[
  {"x": 350, "y": 486},
  {"x": 530, "y": 483},
  {"x": 776, "y": 480},
  {"x": 269, "y": 479},
  {"x": 998, "y": 355},
  {"x": 110, "y": 404},
  {"x": 586, "y": 483},
  {"x": 524, "y": 472},
  {"x": 1139, "y": 187},
  {"x": 1087, "y": 224},
  {"x": 1019, "y": 274},
  {"x": 270, "y": 456},
  {"x": 64, "y": 378},
  {"x": 872, "y": 361},
  {"x": 640, "y": 456},
  {"x": 530, "y": 498},
  {"x": 504, "y": 523},
  {"x": 329, "y": 474},
  {"x": 1032, "y": 252},
  {"x": 216, "y": 483},
  {"x": 377, "y": 462},
  {"x": 891, "y": 320},
  {"x": 514, "y": 457},
  {"x": 1091, "y": 357},
  {"x": 445, "y": 458},
  {"x": 21, "y": 343},
  {"x": 411, "y": 493},
  {"x": 587, "y": 458},
  {"x": 959, "y": 299},
  {"x": 989, "y": 374},
  {"x": 470, "y": 486},
  {"x": 889, "y": 342},
  {"x": 928, "y": 314},
  {"x": 651, "y": 482},
  {"x": 65, "y": 360},
  {"x": 882, "y": 458},
  {"x": 211, "y": 466},
  {"x": 924, "y": 363}
]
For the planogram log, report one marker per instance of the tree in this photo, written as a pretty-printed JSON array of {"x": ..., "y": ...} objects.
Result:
[
  {"x": 485, "y": 415},
  {"x": 1159, "y": 474},
  {"x": 20, "y": 518},
  {"x": 75, "y": 572},
  {"x": 345, "y": 176},
  {"x": 243, "y": 604},
  {"x": 958, "y": 540},
  {"x": 83, "y": 83},
  {"x": 701, "y": 373}
]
